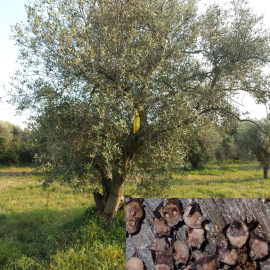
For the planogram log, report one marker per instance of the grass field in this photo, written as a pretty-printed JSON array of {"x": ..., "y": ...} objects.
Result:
[
  {"x": 58, "y": 228},
  {"x": 217, "y": 180},
  {"x": 228, "y": 179},
  {"x": 54, "y": 229}
]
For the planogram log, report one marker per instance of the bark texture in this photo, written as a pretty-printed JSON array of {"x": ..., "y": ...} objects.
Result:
[
  {"x": 220, "y": 212},
  {"x": 113, "y": 195},
  {"x": 116, "y": 195}
]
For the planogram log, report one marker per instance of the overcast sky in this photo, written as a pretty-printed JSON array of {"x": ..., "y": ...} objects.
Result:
[{"x": 12, "y": 11}]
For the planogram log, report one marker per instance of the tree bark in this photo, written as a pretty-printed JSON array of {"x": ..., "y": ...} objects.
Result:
[
  {"x": 220, "y": 211},
  {"x": 106, "y": 182},
  {"x": 116, "y": 195}
]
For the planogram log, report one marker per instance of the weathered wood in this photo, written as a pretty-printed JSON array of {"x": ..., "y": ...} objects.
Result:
[{"x": 220, "y": 211}]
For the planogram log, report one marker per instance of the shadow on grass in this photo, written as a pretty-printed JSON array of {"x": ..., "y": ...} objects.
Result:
[
  {"x": 7, "y": 174},
  {"x": 40, "y": 234}
]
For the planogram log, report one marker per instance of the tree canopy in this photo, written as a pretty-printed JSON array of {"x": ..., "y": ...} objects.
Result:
[{"x": 88, "y": 64}]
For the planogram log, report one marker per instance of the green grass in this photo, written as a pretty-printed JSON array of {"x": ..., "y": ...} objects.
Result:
[
  {"x": 229, "y": 179},
  {"x": 54, "y": 229}
]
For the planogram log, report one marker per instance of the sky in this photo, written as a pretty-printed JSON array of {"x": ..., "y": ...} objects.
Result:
[{"x": 13, "y": 11}]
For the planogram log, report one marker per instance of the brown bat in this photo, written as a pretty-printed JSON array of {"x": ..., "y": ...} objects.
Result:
[
  {"x": 159, "y": 243},
  {"x": 208, "y": 262},
  {"x": 237, "y": 267},
  {"x": 238, "y": 232},
  {"x": 172, "y": 211},
  {"x": 162, "y": 267},
  {"x": 134, "y": 215},
  {"x": 242, "y": 256},
  {"x": 181, "y": 251},
  {"x": 134, "y": 263},
  {"x": 230, "y": 256},
  {"x": 161, "y": 227},
  {"x": 193, "y": 216},
  {"x": 161, "y": 253},
  {"x": 250, "y": 265},
  {"x": 163, "y": 259},
  {"x": 195, "y": 237},
  {"x": 258, "y": 246}
]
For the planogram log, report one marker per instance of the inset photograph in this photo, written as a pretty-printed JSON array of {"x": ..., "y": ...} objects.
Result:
[{"x": 197, "y": 234}]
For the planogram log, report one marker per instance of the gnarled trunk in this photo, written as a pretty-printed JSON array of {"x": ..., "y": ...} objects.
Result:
[
  {"x": 113, "y": 182},
  {"x": 106, "y": 182},
  {"x": 116, "y": 195},
  {"x": 113, "y": 193}
]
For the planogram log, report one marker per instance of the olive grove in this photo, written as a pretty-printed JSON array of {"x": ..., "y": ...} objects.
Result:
[{"x": 87, "y": 64}]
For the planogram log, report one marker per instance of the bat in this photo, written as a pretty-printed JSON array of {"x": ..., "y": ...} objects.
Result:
[
  {"x": 172, "y": 212},
  {"x": 163, "y": 259},
  {"x": 193, "y": 216},
  {"x": 195, "y": 237},
  {"x": 237, "y": 267},
  {"x": 242, "y": 256},
  {"x": 181, "y": 251},
  {"x": 159, "y": 244},
  {"x": 258, "y": 246},
  {"x": 161, "y": 227},
  {"x": 161, "y": 253},
  {"x": 229, "y": 256},
  {"x": 134, "y": 215},
  {"x": 162, "y": 267},
  {"x": 250, "y": 265},
  {"x": 238, "y": 232},
  {"x": 208, "y": 262},
  {"x": 134, "y": 263}
]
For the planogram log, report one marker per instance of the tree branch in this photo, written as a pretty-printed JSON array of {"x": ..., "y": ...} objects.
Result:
[{"x": 236, "y": 116}]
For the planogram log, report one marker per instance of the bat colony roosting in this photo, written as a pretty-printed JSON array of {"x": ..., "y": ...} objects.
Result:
[{"x": 241, "y": 248}]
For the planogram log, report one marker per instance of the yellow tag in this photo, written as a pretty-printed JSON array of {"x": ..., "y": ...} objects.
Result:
[{"x": 136, "y": 123}]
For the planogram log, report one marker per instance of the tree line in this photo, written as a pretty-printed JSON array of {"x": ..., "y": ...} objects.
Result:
[
  {"x": 15, "y": 145},
  {"x": 246, "y": 141}
]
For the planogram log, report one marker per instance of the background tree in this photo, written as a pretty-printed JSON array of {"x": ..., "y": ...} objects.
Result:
[
  {"x": 250, "y": 138},
  {"x": 211, "y": 142},
  {"x": 15, "y": 144},
  {"x": 89, "y": 64},
  {"x": 203, "y": 145}
]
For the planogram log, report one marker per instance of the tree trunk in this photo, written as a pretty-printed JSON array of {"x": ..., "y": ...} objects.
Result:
[
  {"x": 113, "y": 183},
  {"x": 113, "y": 194},
  {"x": 265, "y": 170},
  {"x": 116, "y": 195},
  {"x": 219, "y": 211},
  {"x": 106, "y": 182}
]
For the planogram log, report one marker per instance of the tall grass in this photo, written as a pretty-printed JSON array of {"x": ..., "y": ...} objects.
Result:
[{"x": 57, "y": 228}]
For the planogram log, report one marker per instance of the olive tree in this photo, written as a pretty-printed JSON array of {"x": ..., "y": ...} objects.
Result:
[
  {"x": 250, "y": 138},
  {"x": 87, "y": 64}
]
